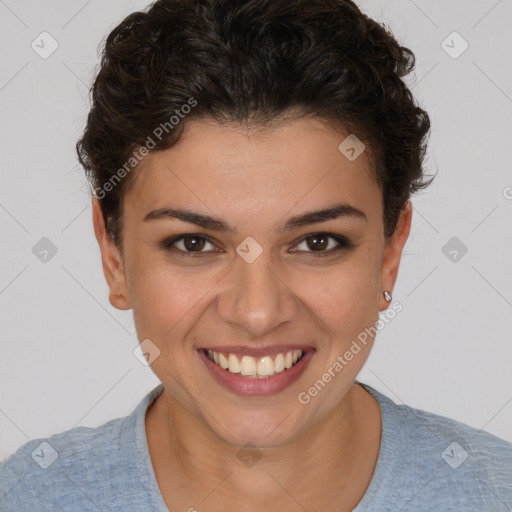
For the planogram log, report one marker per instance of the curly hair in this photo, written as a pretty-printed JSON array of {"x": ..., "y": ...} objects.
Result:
[{"x": 253, "y": 62}]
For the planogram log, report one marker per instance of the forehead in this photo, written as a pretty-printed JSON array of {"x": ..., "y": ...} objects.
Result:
[{"x": 296, "y": 165}]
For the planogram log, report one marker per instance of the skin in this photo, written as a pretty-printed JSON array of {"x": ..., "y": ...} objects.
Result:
[{"x": 255, "y": 181}]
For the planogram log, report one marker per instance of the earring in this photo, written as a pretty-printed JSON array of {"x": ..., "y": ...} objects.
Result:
[{"x": 387, "y": 296}]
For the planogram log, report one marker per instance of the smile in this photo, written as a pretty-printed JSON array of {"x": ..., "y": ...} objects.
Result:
[
  {"x": 256, "y": 368},
  {"x": 268, "y": 371}
]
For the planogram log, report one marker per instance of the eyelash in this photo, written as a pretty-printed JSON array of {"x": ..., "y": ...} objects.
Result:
[{"x": 343, "y": 242}]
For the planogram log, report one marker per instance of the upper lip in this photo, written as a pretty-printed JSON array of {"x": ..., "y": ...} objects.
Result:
[{"x": 257, "y": 351}]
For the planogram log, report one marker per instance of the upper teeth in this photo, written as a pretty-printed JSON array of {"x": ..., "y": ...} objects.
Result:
[{"x": 256, "y": 367}]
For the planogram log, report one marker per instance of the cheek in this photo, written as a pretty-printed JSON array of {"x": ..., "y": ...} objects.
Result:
[
  {"x": 164, "y": 299},
  {"x": 345, "y": 297}
]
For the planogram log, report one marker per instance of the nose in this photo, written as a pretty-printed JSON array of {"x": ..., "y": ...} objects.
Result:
[{"x": 255, "y": 297}]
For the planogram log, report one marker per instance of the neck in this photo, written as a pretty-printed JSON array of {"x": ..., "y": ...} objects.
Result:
[{"x": 331, "y": 461}]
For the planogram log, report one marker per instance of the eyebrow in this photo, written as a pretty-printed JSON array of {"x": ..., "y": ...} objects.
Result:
[{"x": 216, "y": 224}]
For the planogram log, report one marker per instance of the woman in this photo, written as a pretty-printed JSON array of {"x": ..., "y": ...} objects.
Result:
[{"x": 251, "y": 165}]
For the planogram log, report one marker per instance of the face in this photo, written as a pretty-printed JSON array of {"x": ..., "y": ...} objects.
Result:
[{"x": 261, "y": 279}]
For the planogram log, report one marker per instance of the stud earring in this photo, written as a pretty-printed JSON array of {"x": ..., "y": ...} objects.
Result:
[{"x": 387, "y": 296}]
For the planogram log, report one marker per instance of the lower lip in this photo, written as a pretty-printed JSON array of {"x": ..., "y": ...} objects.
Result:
[{"x": 257, "y": 387}]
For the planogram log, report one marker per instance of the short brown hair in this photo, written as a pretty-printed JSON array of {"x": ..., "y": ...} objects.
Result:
[{"x": 253, "y": 61}]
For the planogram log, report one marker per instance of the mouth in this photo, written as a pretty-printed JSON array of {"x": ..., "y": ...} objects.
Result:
[
  {"x": 261, "y": 367},
  {"x": 266, "y": 371}
]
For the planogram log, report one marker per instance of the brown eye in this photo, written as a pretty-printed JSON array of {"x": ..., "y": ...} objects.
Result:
[
  {"x": 317, "y": 242},
  {"x": 188, "y": 243},
  {"x": 323, "y": 243},
  {"x": 193, "y": 243}
]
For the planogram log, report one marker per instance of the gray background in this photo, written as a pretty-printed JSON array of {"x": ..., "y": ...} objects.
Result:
[{"x": 67, "y": 355}]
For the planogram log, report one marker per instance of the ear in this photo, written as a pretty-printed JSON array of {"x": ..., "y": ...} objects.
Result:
[
  {"x": 111, "y": 259},
  {"x": 392, "y": 254}
]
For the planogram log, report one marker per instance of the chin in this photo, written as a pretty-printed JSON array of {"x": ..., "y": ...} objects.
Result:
[{"x": 258, "y": 429}]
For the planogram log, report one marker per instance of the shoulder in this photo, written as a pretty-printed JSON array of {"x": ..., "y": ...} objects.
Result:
[
  {"x": 102, "y": 468},
  {"x": 54, "y": 467},
  {"x": 438, "y": 460}
]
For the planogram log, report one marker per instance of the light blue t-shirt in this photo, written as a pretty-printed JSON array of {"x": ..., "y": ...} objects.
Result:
[{"x": 426, "y": 462}]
